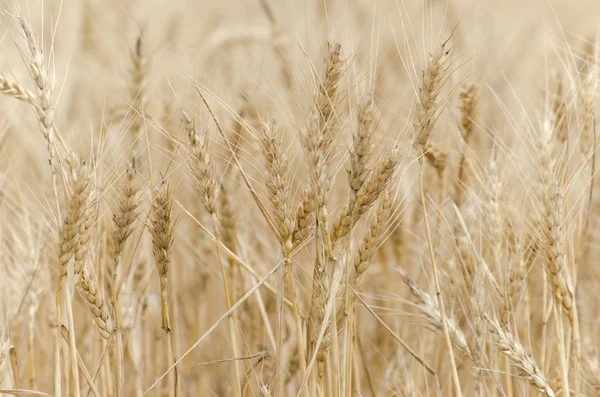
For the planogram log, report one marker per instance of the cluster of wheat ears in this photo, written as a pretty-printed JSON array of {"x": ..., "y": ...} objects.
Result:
[{"x": 334, "y": 217}]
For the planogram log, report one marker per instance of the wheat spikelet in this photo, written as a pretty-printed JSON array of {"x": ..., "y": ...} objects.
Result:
[{"x": 3, "y": 358}]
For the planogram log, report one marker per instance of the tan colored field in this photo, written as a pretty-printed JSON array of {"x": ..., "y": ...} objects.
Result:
[{"x": 314, "y": 198}]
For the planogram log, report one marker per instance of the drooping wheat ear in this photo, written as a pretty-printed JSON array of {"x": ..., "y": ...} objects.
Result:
[
  {"x": 326, "y": 98},
  {"x": 304, "y": 217},
  {"x": 88, "y": 221},
  {"x": 524, "y": 363},
  {"x": 552, "y": 223},
  {"x": 126, "y": 212},
  {"x": 372, "y": 238},
  {"x": 201, "y": 166},
  {"x": 162, "y": 231},
  {"x": 379, "y": 178},
  {"x": 79, "y": 177},
  {"x": 14, "y": 89},
  {"x": 277, "y": 182},
  {"x": 88, "y": 287},
  {"x": 432, "y": 81},
  {"x": 430, "y": 309},
  {"x": 469, "y": 103},
  {"x": 559, "y": 108},
  {"x": 361, "y": 148}
]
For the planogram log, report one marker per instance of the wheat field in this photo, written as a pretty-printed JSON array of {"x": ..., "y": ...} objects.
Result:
[{"x": 315, "y": 198}]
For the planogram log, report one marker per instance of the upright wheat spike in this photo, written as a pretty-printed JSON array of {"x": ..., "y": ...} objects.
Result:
[
  {"x": 203, "y": 174},
  {"x": 276, "y": 166},
  {"x": 162, "y": 231},
  {"x": 552, "y": 219},
  {"x": 137, "y": 91},
  {"x": 80, "y": 185},
  {"x": 124, "y": 218},
  {"x": 431, "y": 85},
  {"x": 379, "y": 178},
  {"x": 431, "y": 310},
  {"x": 361, "y": 149}
]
